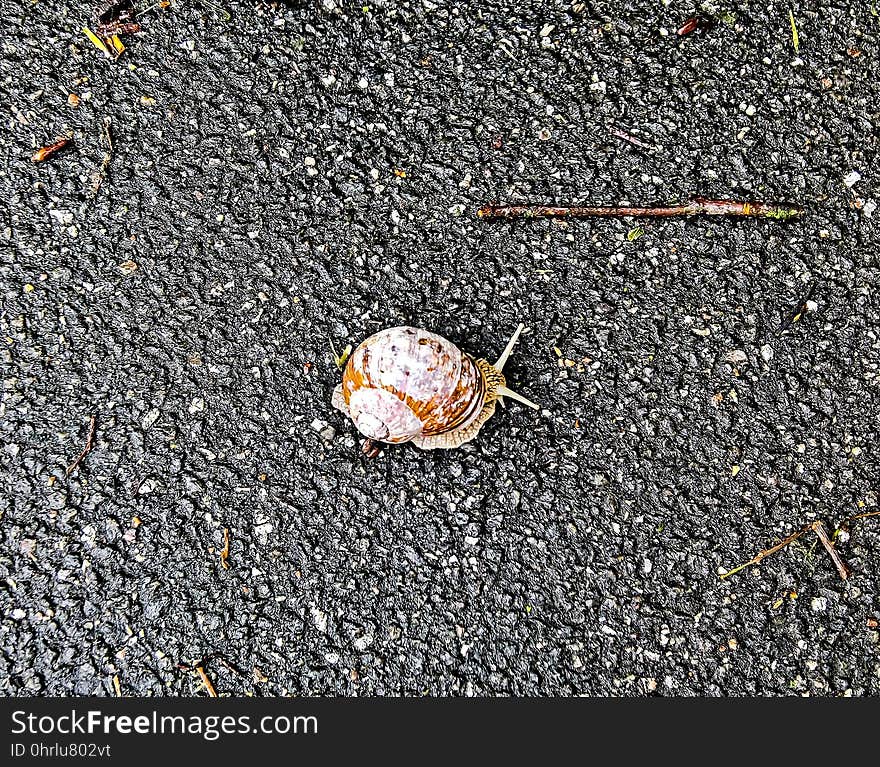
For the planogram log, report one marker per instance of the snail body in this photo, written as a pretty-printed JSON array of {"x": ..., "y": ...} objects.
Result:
[{"x": 406, "y": 384}]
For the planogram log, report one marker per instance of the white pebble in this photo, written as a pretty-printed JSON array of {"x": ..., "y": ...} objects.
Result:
[{"x": 852, "y": 178}]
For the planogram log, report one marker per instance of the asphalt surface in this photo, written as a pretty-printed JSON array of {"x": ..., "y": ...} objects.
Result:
[{"x": 307, "y": 173}]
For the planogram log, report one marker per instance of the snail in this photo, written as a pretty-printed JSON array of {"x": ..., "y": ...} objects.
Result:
[{"x": 406, "y": 384}]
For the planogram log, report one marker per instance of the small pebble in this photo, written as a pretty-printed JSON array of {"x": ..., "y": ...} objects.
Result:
[{"x": 852, "y": 178}]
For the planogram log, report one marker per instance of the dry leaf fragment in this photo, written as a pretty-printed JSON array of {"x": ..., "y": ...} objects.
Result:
[{"x": 97, "y": 42}]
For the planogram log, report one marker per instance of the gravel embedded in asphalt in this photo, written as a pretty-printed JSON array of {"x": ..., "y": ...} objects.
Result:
[{"x": 307, "y": 173}]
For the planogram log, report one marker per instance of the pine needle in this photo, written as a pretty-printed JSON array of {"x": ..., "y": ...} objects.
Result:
[{"x": 794, "y": 33}]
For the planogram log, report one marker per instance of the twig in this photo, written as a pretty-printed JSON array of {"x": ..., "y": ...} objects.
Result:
[
  {"x": 229, "y": 665},
  {"x": 696, "y": 207},
  {"x": 99, "y": 175},
  {"x": 199, "y": 667},
  {"x": 90, "y": 441},
  {"x": 859, "y": 516},
  {"x": 819, "y": 529},
  {"x": 107, "y": 136},
  {"x": 624, "y": 136},
  {"x": 116, "y": 686},
  {"x": 161, "y": 5},
  {"x": 212, "y": 693},
  {"x": 767, "y": 552},
  {"x": 224, "y": 552},
  {"x": 227, "y": 16}
]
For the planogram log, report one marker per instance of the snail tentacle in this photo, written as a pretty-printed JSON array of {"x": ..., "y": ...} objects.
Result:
[
  {"x": 503, "y": 391},
  {"x": 502, "y": 360}
]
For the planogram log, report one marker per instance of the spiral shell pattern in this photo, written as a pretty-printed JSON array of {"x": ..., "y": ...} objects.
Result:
[{"x": 406, "y": 383}]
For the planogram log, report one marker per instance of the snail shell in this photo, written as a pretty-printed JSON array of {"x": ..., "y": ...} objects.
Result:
[{"x": 406, "y": 384}]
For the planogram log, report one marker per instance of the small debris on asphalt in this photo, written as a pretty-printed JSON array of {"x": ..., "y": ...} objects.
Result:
[
  {"x": 851, "y": 179},
  {"x": 804, "y": 305},
  {"x": 224, "y": 552},
  {"x": 340, "y": 359},
  {"x": 694, "y": 24},
  {"x": 841, "y": 566},
  {"x": 629, "y": 138},
  {"x": 817, "y": 527},
  {"x": 45, "y": 152},
  {"x": 97, "y": 42},
  {"x": 206, "y": 682},
  {"x": 90, "y": 441},
  {"x": 795, "y": 38},
  {"x": 117, "y": 18}
]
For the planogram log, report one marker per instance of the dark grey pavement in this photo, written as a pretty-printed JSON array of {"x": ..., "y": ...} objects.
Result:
[{"x": 307, "y": 173}]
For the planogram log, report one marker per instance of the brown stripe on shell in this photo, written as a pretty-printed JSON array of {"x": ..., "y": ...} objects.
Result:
[
  {"x": 352, "y": 379},
  {"x": 438, "y": 413},
  {"x": 461, "y": 407}
]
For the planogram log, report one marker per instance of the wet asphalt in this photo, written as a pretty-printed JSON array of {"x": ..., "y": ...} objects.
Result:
[{"x": 300, "y": 175}]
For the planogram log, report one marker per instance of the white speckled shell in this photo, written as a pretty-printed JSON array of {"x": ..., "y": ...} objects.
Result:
[
  {"x": 405, "y": 384},
  {"x": 378, "y": 414}
]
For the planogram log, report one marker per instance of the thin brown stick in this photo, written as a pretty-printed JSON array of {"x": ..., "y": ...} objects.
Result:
[
  {"x": 860, "y": 516},
  {"x": 767, "y": 552},
  {"x": 99, "y": 175},
  {"x": 696, "y": 207},
  {"x": 819, "y": 529},
  {"x": 224, "y": 552},
  {"x": 212, "y": 693},
  {"x": 85, "y": 451},
  {"x": 231, "y": 666},
  {"x": 624, "y": 136}
]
